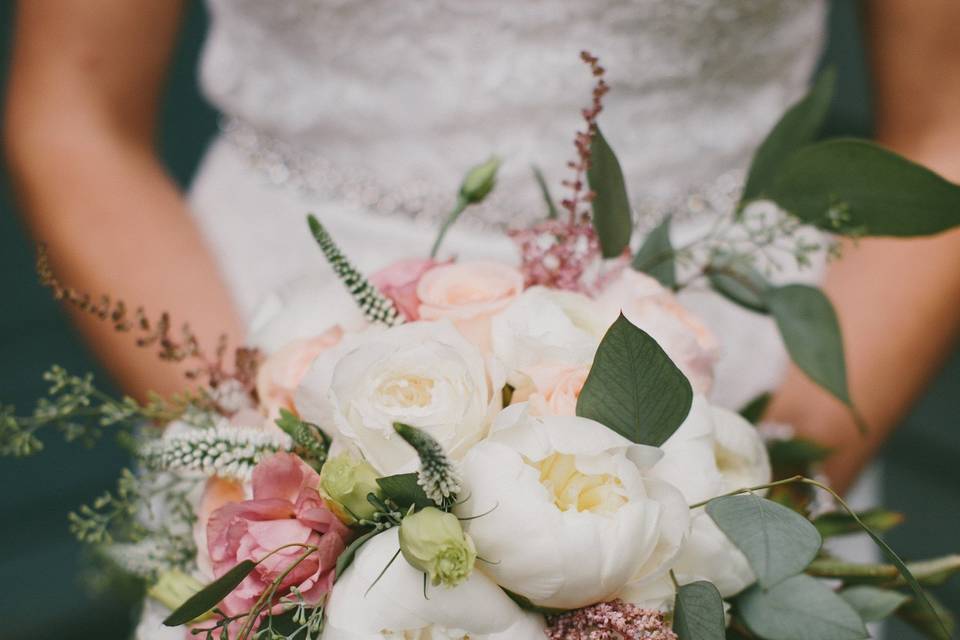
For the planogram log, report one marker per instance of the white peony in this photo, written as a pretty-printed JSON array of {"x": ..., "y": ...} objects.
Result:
[
  {"x": 424, "y": 374},
  {"x": 561, "y": 511},
  {"x": 546, "y": 328},
  {"x": 361, "y": 607},
  {"x": 648, "y": 305}
]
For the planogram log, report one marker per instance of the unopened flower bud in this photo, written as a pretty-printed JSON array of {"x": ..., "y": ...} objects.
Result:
[
  {"x": 347, "y": 482},
  {"x": 480, "y": 180},
  {"x": 434, "y": 542}
]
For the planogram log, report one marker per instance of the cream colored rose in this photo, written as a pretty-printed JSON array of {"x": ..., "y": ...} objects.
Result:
[
  {"x": 553, "y": 390},
  {"x": 469, "y": 294},
  {"x": 645, "y": 303},
  {"x": 425, "y": 374},
  {"x": 280, "y": 374}
]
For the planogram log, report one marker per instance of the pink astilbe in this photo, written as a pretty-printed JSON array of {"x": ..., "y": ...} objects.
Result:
[{"x": 615, "y": 620}]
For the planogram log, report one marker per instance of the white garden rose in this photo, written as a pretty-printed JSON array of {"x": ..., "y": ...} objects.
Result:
[
  {"x": 394, "y": 607},
  {"x": 648, "y": 305},
  {"x": 546, "y": 328},
  {"x": 424, "y": 374},
  {"x": 561, "y": 511}
]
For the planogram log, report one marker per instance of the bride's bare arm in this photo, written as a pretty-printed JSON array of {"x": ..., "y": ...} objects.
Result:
[
  {"x": 80, "y": 121},
  {"x": 898, "y": 300}
]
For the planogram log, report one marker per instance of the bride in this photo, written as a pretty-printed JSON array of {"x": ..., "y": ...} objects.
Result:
[{"x": 368, "y": 113}]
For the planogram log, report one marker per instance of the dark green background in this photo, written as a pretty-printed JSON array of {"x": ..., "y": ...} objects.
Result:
[{"x": 41, "y": 590}]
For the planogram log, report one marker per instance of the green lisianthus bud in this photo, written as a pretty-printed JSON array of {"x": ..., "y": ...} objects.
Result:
[
  {"x": 175, "y": 587},
  {"x": 347, "y": 482},
  {"x": 434, "y": 542},
  {"x": 479, "y": 180}
]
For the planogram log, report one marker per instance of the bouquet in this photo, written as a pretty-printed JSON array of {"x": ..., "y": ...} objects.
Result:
[{"x": 483, "y": 450}]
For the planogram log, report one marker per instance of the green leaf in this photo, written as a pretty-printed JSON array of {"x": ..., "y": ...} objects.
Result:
[
  {"x": 811, "y": 333},
  {"x": 933, "y": 572},
  {"x": 739, "y": 282},
  {"x": 799, "y": 608},
  {"x": 753, "y": 410},
  {"x": 404, "y": 490},
  {"x": 778, "y": 542},
  {"x": 798, "y": 127},
  {"x": 797, "y": 452},
  {"x": 552, "y": 211},
  {"x": 634, "y": 388},
  {"x": 656, "y": 257},
  {"x": 856, "y": 187},
  {"x": 611, "y": 205},
  {"x": 838, "y": 523},
  {"x": 934, "y": 621},
  {"x": 698, "y": 613},
  {"x": 345, "y": 559},
  {"x": 211, "y": 595},
  {"x": 871, "y": 603},
  {"x": 524, "y": 603}
]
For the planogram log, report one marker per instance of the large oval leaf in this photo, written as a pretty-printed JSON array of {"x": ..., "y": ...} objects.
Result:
[
  {"x": 611, "y": 206},
  {"x": 799, "y": 608},
  {"x": 698, "y": 613},
  {"x": 778, "y": 542},
  {"x": 811, "y": 333},
  {"x": 211, "y": 595},
  {"x": 634, "y": 388},
  {"x": 797, "y": 127},
  {"x": 856, "y": 187}
]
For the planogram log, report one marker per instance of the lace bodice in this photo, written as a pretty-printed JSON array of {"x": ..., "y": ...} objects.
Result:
[{"x": 416, "y": 91}]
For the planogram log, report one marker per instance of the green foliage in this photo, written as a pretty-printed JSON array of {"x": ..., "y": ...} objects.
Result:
[
  {"x": 855, "y": 187},
  {"x": 110, "y": 514},
  {"x": 838, "y": 523},
  {"x": 928, "y": 616},
  {"x": 310, "y": 442},
  {"x": 777, "y": 542},
  {"x": 345, "y": 559},
  {"x": 738, "y": 281},
  {"x": 929, "y": 573},
  {"x": 798, "y": 452},
  {"x": 798, "y": 127},
  {"x": 656, "y": 256},
  {"x": 871, "y": 603},
  {"x": 405, "y": 490},
  {"x": 799, "y": 608},
  {"x": 612, "y": 217},
  {"x": 698, "y": 613},
  {"x": 634, "y": 388},
  {"x": 552, "y": 211},
  {"x": 754, "y": 410},
  {"x": 210, "y": 596}
]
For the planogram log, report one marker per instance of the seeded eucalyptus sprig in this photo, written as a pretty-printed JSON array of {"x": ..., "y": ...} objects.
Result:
[{"x": 437, "y": 476}]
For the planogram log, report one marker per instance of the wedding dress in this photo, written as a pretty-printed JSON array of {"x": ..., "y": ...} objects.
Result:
[{"x": 368, "y": 113}]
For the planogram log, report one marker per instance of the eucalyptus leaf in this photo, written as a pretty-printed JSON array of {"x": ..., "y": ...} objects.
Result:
[
  {"x": 739, "y": 282},
  {"x": 611, "y": 206},
  {"x": 345, "y": 559},
  {"x": 798, "y": 126},
  {"x": 838, "y": 523},
  {"x": 932, "y": 619},
  {"x": 656, "y": 256},
  {"x": 799, "y": 608},
  {"x": 856, "y": 187},
  {"x": 777, "y": 542},
  {"x": 211, "y": 595},
  {"x": 634, "y": 388},
  {"x": 811, "y": 333},
  {"x": 698, "y": 613},
  {"x": 405, "y": 491},
  {"x": 871, "y": 603}
]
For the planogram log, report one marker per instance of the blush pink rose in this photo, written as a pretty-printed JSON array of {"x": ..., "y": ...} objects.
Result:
[
  {"x": 281, "y": 373},
  {"x": 399, "y": 283},
  {"x": 469, "y": 294},
  {"x": 286, "y": 508},
  {"x": 555, "y": 389}
]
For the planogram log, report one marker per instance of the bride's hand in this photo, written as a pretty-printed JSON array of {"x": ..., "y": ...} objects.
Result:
[
  {"x": 82, "y": 102},
  {"x": 898, "y": 300}
]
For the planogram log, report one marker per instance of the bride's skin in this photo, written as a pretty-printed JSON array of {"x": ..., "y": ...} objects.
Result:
[{"x": 80, "y": 124}]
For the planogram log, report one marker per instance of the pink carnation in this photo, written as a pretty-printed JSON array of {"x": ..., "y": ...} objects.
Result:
[
  {"x": 399, "y": 283},
  {"x": 285, "y": 509}
]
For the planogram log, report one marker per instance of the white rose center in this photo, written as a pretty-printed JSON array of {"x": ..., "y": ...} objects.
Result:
[
  {"x": 573, "y": 489},
  {"x": 405, "y": 391}
]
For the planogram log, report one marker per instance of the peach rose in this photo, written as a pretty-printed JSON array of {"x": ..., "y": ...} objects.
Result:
[
  {"x": 286, "y": 508},
  {"x": 281, "y": 373},
  {"x": 554, "y": 390},
  {"x": 469, "y": 294},
  {"x": 399, "y": 282},
  {"x": 684, "y": 337}
]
